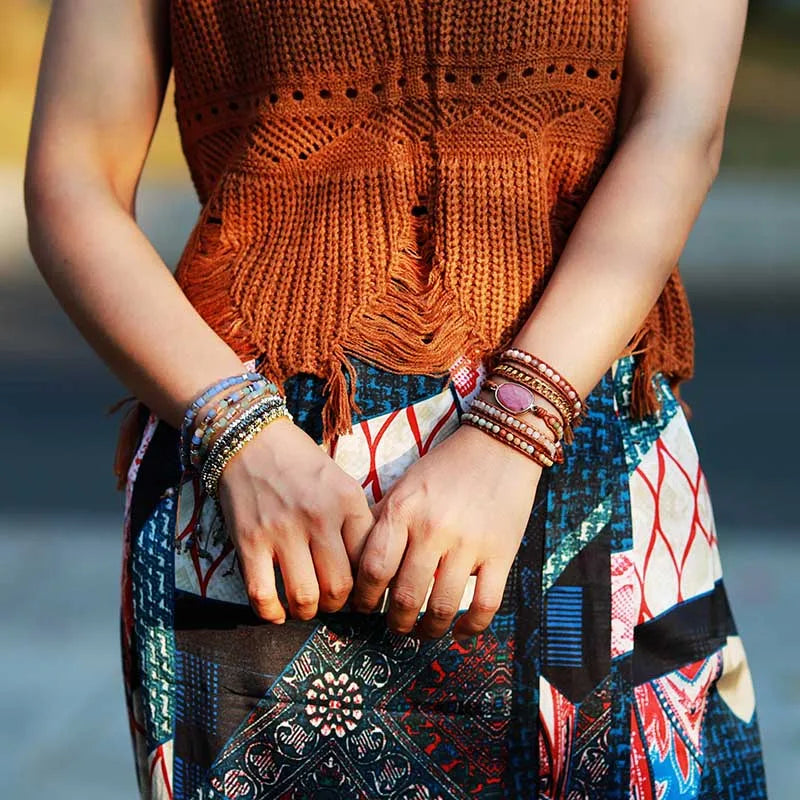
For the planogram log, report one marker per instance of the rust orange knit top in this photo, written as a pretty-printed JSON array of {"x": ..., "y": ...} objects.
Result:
[{"x": 395, "y": 179}]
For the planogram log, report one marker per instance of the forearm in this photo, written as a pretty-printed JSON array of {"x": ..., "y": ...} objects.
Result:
[
  {"x": 622, "y": 249},
  {"x": 121, "y": 296}
]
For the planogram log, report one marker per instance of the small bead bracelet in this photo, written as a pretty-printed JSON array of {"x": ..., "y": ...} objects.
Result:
[
  {"x": 201, "y": 400},
  {"x": 540, "y": 387},
  {"x": 518, "y": 434},
  {"x": 553, "y": 421},
  {"x": 236, "y": 403},
  {"x": 212, "y": 476},
  {"x": 560, "y": 383},
  {"x": 509, "y": 420},
  {"x": 218, "y": 458},
  {"x": 470, "y": 418},
  {"x": 262, "y": 406}
]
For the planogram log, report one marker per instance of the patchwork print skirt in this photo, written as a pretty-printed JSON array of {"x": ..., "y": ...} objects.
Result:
[{"x": 613, "y": 668}]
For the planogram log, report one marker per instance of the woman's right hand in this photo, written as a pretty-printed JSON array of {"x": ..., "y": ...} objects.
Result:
[{"x": 285, "y": 499}]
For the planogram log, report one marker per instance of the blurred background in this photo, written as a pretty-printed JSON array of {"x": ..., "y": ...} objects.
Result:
[{"x": 61, "y": 699}]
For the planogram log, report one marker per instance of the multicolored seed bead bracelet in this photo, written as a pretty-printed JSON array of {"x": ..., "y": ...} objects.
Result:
[
  {"x": 196, "y": 404},
  {"x": 235, "y": 437},
  {"x": 215, "y": 420}
]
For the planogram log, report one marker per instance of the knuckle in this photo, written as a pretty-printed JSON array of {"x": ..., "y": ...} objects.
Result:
[
  {"x": 487, "y": 605},
  {"x": 349, "y": 492},
  {"x": 304, "y": 597},
  {"x": 405, "y": 599},
  {"x": 442, "y": 610},
  {"x": 373, "y": 570},
  {"x": 261, "y": 596},
  {"x": 339, "y": 588},
  {"x": 398, "y": 506}
]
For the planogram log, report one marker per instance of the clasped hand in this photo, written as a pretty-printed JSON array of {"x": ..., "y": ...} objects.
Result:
[{"x": 459, "y": 510}]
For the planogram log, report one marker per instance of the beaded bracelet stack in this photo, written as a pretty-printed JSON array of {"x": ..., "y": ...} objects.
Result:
[
  {"x": 242, "y": 406},
  {"x": 526, "y": 378}
]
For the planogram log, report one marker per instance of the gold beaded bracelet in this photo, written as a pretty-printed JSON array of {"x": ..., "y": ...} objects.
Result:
[{"x": 246, "y": 429}]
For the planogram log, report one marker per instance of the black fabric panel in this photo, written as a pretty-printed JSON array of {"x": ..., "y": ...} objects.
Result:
[
  {"x": 160, "y": 469},
  {"x": 590, "y": 569},
  {"x": 685, "y": 633}
]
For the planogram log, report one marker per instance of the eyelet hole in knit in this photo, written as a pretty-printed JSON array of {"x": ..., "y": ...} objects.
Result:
[
  {"x": 527, "y": 72},
  {"x": 501, "y": 77},
  {"x": 614, "y": 74},
  {"x": 592, "y": 73},
  {"x": 377, "y": 88},
  {"x": 569, "y": 69},
  {"x": 325, "y": 94},
  {"x": 419, "y": 210},
  {"x": 450, "y": 77},
  {"x": 273, "y": 98},
  {"x": 551, "y": 68},
  {"x": 426, "y": 77},
  {"x": 297, "y": 94},
  {"x": 476, "y": 78},
  {"x": 402, "y": 81},
  {"x": 351, "y": 91}
]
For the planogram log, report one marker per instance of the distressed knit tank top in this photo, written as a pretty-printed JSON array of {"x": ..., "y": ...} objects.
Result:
[{"x": 396, "y": 179}]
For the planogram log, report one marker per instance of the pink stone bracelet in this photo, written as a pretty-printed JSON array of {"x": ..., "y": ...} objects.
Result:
[
  {"x": 558, "y": 381},
  {"x": 510, "y": 421}
]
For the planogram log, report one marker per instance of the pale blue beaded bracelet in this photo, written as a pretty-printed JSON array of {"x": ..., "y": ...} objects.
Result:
[{"x": 199, "y": 402}]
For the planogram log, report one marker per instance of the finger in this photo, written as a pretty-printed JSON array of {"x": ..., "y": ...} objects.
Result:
[
  {"x": 410, "y": 586},
  {"x": 443, "y": 603},
  {"x": 489, "y": 587},
  {"x": 355, "y": 531},
  {"x": 299, "y": 577},
  {"x": 333, "y": 570},
  {"x": 380, "y": 559},
  {"x": 258, "y": 572}
]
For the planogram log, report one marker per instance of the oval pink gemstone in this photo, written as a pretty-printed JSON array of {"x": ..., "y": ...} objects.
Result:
[{"x": 514, "y": 397}]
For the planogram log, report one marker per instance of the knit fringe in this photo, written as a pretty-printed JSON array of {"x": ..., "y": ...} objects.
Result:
[
  {"x": 128, "y": 437},
  {"x": 204, "y": 274}
]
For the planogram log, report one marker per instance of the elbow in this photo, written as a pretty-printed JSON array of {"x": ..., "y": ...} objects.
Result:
[{"x": 714, "y": 143}]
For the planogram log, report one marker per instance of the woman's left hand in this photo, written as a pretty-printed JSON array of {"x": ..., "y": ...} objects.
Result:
[{"x": 459, "y": 510}]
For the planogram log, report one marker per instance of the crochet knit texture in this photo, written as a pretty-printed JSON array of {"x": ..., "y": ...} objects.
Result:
[{"x": 396, "y": 179}]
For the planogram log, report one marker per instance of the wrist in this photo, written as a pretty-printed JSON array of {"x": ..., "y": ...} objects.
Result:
[{"x": 498, "y": 453}]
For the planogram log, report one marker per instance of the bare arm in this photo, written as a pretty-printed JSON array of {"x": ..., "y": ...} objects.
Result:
[
  {"x": 680, "y": 66},
  {"x": 679, "y": 71},
  {"x": 102, "y": 80},
  {"x": 101, "y": 85}
]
